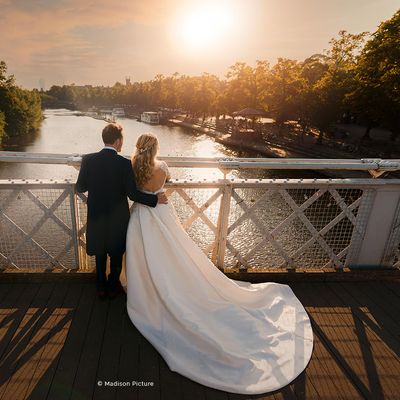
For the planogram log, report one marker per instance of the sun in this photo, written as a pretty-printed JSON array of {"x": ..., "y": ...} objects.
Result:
[{"x": 205, "y": 25}]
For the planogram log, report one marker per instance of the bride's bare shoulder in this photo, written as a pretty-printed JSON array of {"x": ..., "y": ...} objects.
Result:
[
  {"x": 161, "y": 165},
  {"x": 164, "y": 167}
]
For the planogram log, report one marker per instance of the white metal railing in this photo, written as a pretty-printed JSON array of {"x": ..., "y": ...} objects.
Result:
[
  {"x": 375, "y": 166},
  {"x": 247, "y": 225}
]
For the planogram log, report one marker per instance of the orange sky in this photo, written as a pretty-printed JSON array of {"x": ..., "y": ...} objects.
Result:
[{"x": 101, "y": 42}]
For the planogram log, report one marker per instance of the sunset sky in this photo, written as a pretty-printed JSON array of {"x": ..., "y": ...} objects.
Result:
[{"x": 101, "y": 42}]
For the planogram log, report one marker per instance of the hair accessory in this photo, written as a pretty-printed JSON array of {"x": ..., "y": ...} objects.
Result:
[{"x": 143, "y": 149}]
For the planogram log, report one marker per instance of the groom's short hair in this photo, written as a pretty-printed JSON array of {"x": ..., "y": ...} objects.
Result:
[{"x": 111, "y": 133}]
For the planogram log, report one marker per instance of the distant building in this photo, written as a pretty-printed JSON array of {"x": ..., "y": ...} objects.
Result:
[
  {"x": 128, "y": 81},
  {"x": 42, "y": 85}
]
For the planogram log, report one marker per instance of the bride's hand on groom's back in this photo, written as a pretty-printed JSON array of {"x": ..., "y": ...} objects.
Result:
[{"x": 162, "y": 198}]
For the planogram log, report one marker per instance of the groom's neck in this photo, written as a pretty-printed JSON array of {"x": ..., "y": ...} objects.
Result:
[{"x": 110, "y": 146}]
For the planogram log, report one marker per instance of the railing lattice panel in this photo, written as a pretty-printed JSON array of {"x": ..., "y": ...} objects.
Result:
[{"x": 251, "y": 225}]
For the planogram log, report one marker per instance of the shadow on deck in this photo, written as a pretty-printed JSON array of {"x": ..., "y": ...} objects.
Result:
[{"x": 57, "y": 340}]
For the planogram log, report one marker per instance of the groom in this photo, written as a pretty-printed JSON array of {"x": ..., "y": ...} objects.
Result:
[{"x": 109, "y": 179}]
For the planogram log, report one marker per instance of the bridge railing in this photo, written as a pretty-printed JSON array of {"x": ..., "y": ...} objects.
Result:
[
  {"x": 245, "y": 225},
  {"x": 376, "y": 166}
]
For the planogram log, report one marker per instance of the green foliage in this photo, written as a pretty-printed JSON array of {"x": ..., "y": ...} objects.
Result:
[
  {"x": 286, "y": 86},
  {"x": 2, "y": 125},
  {"x": 350, "y": 77},
  {"x": 20, "y": 109},
  {"x": 376, "y": 94},
  {"x": 5, "y": 81}
]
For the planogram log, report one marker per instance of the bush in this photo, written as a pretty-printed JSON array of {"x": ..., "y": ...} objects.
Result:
[
  {"x": 20, "y": 108},
  {"x": 2, "y": 125}
]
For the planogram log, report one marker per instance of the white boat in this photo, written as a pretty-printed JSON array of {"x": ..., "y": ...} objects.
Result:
[
  {"x": 118, "y": 112},
  {"x": 91, "y": 112},
  {"x": 150, "y": 117},
  {"x": 105, "y": 111}
]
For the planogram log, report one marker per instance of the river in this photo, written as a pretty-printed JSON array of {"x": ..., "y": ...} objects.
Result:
[{"x": 64, "y": 131}]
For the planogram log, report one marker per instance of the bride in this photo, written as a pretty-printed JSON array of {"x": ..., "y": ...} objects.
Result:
[{"x": 226, "y": 334}]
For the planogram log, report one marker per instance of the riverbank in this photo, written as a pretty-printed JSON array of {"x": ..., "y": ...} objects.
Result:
[{"x": 309, "y": 149}]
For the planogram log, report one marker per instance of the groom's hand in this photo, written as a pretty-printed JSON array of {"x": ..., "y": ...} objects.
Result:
[{"x": 162, "y": 198}]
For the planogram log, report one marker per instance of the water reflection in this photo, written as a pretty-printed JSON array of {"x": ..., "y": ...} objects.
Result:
[{"x": 64, "y": 131}]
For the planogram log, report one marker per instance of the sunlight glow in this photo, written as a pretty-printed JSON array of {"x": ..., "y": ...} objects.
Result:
[{"x": 205, "y": 25}]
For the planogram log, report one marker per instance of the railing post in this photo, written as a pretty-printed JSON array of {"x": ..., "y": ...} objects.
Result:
[
  {"x": 359, "y": 230},
  {"x": 218, "y": 256},
  {"x": 391, "y": 256},
  {"x": 74, "y": 224},
  {"x": 379, "y": 228}
]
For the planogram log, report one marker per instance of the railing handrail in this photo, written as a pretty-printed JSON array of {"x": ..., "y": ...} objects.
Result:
[
  {"x": 363, "y": 164},
  {"x": 243, "y": 183}
]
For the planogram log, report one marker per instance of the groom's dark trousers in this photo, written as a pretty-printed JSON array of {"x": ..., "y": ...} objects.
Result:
[{"x": 109, "y": 180}]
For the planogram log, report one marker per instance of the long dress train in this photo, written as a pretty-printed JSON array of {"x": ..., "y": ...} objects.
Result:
[{"x": 226, "y": 334}]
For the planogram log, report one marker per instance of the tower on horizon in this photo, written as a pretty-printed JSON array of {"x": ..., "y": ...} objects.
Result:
[
  {"x": 128, "y": 81},
  {"x": 42, "y": 84}
]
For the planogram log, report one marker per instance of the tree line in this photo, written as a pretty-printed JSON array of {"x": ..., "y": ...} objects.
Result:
[
  {"x": 20, "y": 109},
  {"x": 358, "y": 76}
]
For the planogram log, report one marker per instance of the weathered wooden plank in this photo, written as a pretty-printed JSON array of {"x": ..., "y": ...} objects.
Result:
[
  {"x": 52, "y": 337},
  {"x": 192, "y": 390},
  {"x": 351, "y": 342},
  {"x": 373, "y": 312},
  {"x": 303, "y": 387},
  {"x": 61, "y": 385},
  {"x": 355, "y": 345},
  {"x": 266, "y": 396},
  {"x": 394, "y": 286},
  {"x": 149, "y": 371},
  {"x": 17, "y": 336},
  {"x": 377, "y": 350},
  {"x": 8, "y": 311},
  {"x": 170, "y": 382},
  {"x": 107, "y": 371},
  {"x": 85, "y": 378},
  {"x": 384, "y": 297},
  {"x": 128, "y": 368},
  {"x": 5, "y": 289},
  {"x": 214, "y": 394},
  {"x": 380, "y": 345},
  {"x": 325, "y": 373}
]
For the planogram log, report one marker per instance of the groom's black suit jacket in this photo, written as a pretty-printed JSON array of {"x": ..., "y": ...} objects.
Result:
[{"x": 109, "y": 179}]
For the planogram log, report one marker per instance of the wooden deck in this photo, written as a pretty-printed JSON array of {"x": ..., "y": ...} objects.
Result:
[{"x": 57, "y": 340}]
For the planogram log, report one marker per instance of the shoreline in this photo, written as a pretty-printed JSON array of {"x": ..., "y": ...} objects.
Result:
[{"x": 273, "y": 151}]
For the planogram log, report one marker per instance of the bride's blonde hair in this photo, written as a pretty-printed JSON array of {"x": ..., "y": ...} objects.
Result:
[{"x": 143, "y": 159}]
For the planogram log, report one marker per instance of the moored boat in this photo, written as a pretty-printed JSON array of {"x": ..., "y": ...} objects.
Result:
[{"x": 150, "y": 117}]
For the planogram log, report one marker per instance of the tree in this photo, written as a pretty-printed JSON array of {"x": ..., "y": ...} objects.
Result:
[
  {"x": 2, "y": 125},
  {"x": 5, "y": 81},
  {"x": 314, "y": 68},
  {"x": 241, "y": 88},
  {"x": 285, "y": 86},
  {"x": 376, "y": 96},
  {"x": 20, "y": 109},
  {"x": 330, "y": 90}
]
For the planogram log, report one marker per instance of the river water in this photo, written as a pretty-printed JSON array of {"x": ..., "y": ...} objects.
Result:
[{"x": 64, "y": 131}]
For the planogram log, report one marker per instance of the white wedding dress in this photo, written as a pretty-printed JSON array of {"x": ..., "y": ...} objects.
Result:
[{"x": 226, "y": 334}]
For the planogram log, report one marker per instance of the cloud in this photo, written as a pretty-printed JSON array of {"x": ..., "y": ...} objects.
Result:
[
  {"x": 87, "y": 41},
  {"x": 49, "y": 35}
]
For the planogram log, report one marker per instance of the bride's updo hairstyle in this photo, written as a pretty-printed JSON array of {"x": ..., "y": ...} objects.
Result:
[{"x": 144, "y": 157}]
